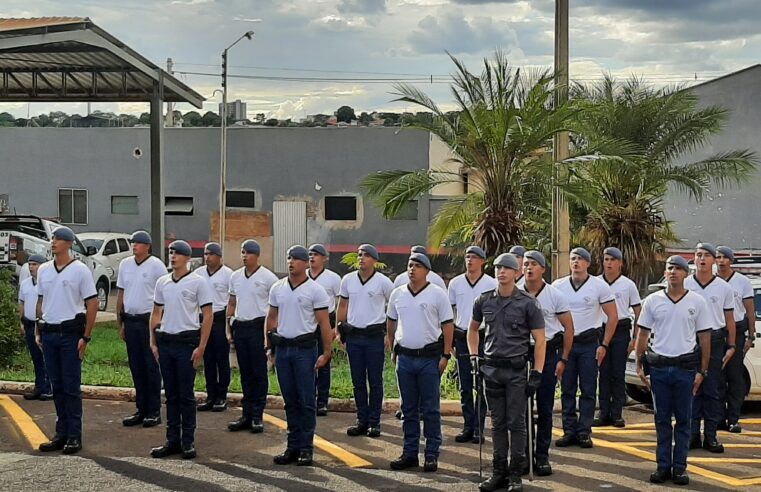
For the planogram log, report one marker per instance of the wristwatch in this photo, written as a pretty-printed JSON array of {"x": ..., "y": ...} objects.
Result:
[
  {"x": 563, "y": 360},
  {"x": 703, "y": 372},
  {"x": 86, "y": 339},
  {"x": 733, "y": 346},
  {"x": 446, "y": 356}
]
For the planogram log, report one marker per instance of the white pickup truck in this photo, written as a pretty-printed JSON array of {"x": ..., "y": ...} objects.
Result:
[{"x": 31, "y": 235}]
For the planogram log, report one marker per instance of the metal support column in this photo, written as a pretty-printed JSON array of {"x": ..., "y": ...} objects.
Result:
[
  {"x": 157, "y": 167},
  {"x": 561, "y": 233}
]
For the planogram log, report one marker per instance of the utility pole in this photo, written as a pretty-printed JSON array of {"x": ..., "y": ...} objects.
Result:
[
  {"x": 169, "y": 109},
  {"x": 223, "y": 170},
  {"x": 561, "y": 233}
]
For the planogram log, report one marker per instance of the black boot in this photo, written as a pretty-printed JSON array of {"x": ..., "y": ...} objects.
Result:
[{"x": 498, "y": 478}]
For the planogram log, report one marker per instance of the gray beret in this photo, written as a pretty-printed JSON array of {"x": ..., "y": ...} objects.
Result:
[
  {"x": 726, "y": 251},
  {"x": 678, "y": 261},
  {"x": 370, "y": 250},
  {"x": 298, "y": 252},
  {"x": 517, "y": 250},
  {"x": 507, "y": 260},
  {"x": 319, "y": 249},
  {"x": 36, "y": 259},
  {"x": 64, "y": 234},
  {"x": 213, "y": 248},
  {"x": 537, "y": 257},
  {"x": 583, "y": 253},
  {"x": 476, "y": 251},
  {"x": 250, "y": 246},
  {"x": 421, "y": 259},
  {"x": 707, "y": 247},
  {"x": 419, "y": 249},
  {"x": 181, "y": 248},
  {"x": 614, "y": 252},
  {"x": 141, "y": 237}
]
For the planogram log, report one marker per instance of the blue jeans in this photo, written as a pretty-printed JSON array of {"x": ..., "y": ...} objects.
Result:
[
  {"x": 672, "y": 396},
  {"x": 295, "y": 373},
  {"x": 464, "y": 368},
  {"x": 545, "y": 402},
  {"x": 65, "y": 373},
  {"x": 581, "y": 371},
  {"x": 706, "y": 405},
  {"x": 420, "y": 390},
  {"x": 252, "y": 362},
  {"x": 612, "y": 373},
  {"x": 179, "y": 388},
  {"x": 366, "y": 359},
  {"x": 143, "y": 366},
  {"x": 216, "y": 361},
  {"x": 41, "y": 381}
]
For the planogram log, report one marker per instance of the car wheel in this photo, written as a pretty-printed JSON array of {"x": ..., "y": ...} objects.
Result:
[
  {"x": 102, "y": 289},
  {"x": 638, "y": 393}
]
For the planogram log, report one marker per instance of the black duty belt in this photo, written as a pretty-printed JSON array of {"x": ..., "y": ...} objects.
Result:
[
  {"x": 26, "y": 321},
  {"x": 430, "y": 351},
  {"x": 74, "y": 326},
  {"x": 136, "y": 317},
  {"x": 590, "y": 336},
  {"x": 689, "y": 360},
  {"x": 718, "y": 335},
  {"x": 307, "y": 340},
  {"x": 187, "y": 337},
  {"x": 251, "y": 323},
  {"x": 555, "y": 343},
  {"x": 347, "y": 331},
  {"x": 517, "y": 362}
]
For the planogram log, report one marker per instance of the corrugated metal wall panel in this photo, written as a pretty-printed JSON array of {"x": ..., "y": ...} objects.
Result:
[{"x": 290, "y": 227}]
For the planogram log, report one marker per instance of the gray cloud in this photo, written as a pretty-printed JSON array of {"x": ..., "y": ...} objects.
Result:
[
  {"x": 450, "y": 30},
  {"x": 362, "y": 6}
]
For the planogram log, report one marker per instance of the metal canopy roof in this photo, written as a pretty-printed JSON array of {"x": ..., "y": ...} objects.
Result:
[{"x": 71, "y": 59}]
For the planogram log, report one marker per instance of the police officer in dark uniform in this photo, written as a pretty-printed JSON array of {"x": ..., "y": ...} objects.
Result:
[{"x": 511, "y": 316}]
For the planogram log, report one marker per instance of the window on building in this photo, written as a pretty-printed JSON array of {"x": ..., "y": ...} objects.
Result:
[
  {"x": 72, "y": 206},
  {"x": 178, "y": 205},
  {"x": 407, "y": 212},
  {"x": 465, "y": 182},
  {"x": 340, "y": 208},
  {"x": 124, "y": 205},
  {"x": 241, "y": 199}
]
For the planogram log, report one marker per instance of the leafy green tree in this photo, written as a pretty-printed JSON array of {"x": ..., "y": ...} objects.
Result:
[{"x": 345, "y": 114}]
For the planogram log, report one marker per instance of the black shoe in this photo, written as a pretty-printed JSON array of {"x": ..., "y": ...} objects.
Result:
[
  {"x": 205, "y": 406},
  {"x": 46, "y": 396},
  {"x": 495, "y": 482},
  {"x": 695, "y": 442},
  {"x": 660, "y": 475},
  {"x": 566, "y": 440},
  {"x": 152, "y": 421},
  {"x": 374, "y": 431},
  {"x": 514, "y": 484},
  {"x": 585, "y": 442},
  {"x": 543, "y": 468},
  {"x": 257, "y": 427},
  {"x": 734, "y": 428},
  {"x": 305, "y": 459},
  {"x": 357, "y": 430},
  {"x": 322, "y": 411},
  {"x": 32, "y": 396},
  {"x": 713, "y": 446},
  {"x": 219, "y": 406},
  {"x": 133, "y": 420},
  {"x": 465, "y": 436},
  {"x": 404, "y": 462},
  {"x": 477, "y": 439},
  {"x": 72, "y": 446},
  {"x": 680, "y": 477},
  {"x": 188, "y": 452},
  {"x": 167, "y": 449},
  {"x": 55, "y": 444},
  {"x": 722, "y": 426},
  {"x": 431, "y": 464},
  {"x": 600, "y": 421},
  {"x": 242, "y": 423},
  {"x": 398, "y": 415},
  {"x": 619, "y": 423},
  {"x": 287, "y": 457}
]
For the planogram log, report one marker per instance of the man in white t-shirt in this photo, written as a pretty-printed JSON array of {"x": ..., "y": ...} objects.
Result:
[
  {"x": 27, "y": 299},
  {"x": 433, "y": 277},
  {"x": 136, "y": 284},
  {"x": 216, "y": 357},
  {"x": 677, "y": 318},
  {"x": 180, "y": 299},
  {"x": 67, "y": 305},
  {"x": 331, "y": 282},
  {"x": 297, "y": 305}
]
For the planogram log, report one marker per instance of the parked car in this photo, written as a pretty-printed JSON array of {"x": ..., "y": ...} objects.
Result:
[
  {"x": 110, "y": 249},
  {"x": 31, "y": 235}
]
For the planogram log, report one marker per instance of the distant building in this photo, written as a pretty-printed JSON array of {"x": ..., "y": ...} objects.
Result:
[{"x": 236, "y": 110}]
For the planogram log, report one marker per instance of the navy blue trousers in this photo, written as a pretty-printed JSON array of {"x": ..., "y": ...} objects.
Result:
[
  {"x": 467, "y": 402},
  {"x": 143, "y": 366},
  {"x": 581, "y": 371},
  {"x": 613, "y": 372},
  {"x": 216, "y": 361},
  {"x": 65, "y": 373},
  {"x": 296, "y": 375},
  {"x": 179, "y": 388},
  {"x": 420, "y": 390},
  {"x": 252, "y": 363},
  {"x": 366, "y": 359},
  {"x": 672, "y": 397},
  {"x": 41, "y": 381}
]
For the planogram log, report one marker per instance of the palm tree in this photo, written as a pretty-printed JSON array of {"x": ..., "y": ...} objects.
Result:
[
  {"x": 499, "y": 135},
  {"x": 654, "y": 131}
]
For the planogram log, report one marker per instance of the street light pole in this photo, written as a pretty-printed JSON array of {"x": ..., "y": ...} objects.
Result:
[
  {"x": 223, "y": 143},
  {"x": 561, "y": 234}
]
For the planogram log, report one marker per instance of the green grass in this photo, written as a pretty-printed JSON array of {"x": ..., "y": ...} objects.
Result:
[{"x": 105, "y": 364}]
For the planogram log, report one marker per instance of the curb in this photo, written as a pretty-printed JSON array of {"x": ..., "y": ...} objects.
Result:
[{"x": 449, "y": 408}]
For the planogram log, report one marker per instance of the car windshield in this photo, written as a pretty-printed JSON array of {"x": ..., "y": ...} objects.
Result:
[{"x": 95, "y": 243}]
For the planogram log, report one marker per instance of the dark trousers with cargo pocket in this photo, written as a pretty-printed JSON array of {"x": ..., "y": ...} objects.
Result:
[
  {"x": 581, "y": 371},
  {"x": 613, "y": 372},
  {"x": 65, "y": 373},
  {"x": 252, "y": 363},
  {"x": 143, "y": 365},
  {"x": 216, "y": 360},
  {"x": 506, "y": 395},
  {"x": 179, "y": 388}
]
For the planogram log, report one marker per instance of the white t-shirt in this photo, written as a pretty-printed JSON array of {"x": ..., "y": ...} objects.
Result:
[
  {"x": 742, "y": 290},
  {"x": 674, "y": 324},
  {"x": 331, "y": 282},
  {"x": 433, "y": 277},
  {"x": 626, "y": 294},
  {"x": 27, "y": 294},
  {"x": 367, "y": 300},
  {"x": 182, "y": 300},
  {"x": 553, "y": 303},
  {"x": 251, "y": 292},
  {"x": 419, "y": 316},
  {"x": 64, "y": 291},
  {"x": 24, "y": 273},
  {"x": 462, "y": 295},
  {"x": 718, "y": 295},
  {"x": 586, "y": 302},
  {"x": 296, "y": 306},
  {"x": 521, "y": 282},
  {"x": 219, "y": 283},
  {"x": 138, "y": 281}
]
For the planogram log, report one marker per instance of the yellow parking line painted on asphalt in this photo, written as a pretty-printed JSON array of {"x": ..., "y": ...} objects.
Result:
[
  {"x": 351, "y": 459},
  {"x": 723, "y": 460},
  {"x": 652, "y": 444},
  {"x": 745, "y": 433},
  {"x": 750, "y": 421},
  {"x": 605, "y": 430},
  {"x": 23, "y": 421}
]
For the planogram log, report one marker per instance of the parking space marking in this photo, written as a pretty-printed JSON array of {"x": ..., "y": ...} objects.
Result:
[
  {"x": 350, "y": 459},
  {"x": 652, "y": 444},
  {"x": 723, "y": 460},
  {"x": 23, "y": 421}
]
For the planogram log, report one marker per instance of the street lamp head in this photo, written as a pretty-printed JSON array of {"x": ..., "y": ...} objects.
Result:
[{"x": 249, "y": 35}]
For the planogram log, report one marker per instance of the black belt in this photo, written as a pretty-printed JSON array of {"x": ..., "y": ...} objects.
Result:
[
  {"x": 27, "y": 321},
  {"x": 136, "y": 317},
  {"x": 555, "y": 343},
  {"x": 74, "y": 326},
  {"x": 307, "y": 340},
  {"x": 741, "y": 326},
  {"x": 251, "y": 323},
  {"x": 589, "y": 336},
  {"x": 430, "y": 351},
  {"x": 719, "y": 334},
  {"x": 187, "y": 337},
  {"x": 218, "y": 316},
  {"x": 689, "y": 360},
  {"x": 516, "y": 362},
  {"x": 347, "y": 331}
]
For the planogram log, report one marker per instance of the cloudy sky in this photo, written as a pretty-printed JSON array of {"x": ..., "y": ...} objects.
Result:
[{"x": 371, "y": 42}]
